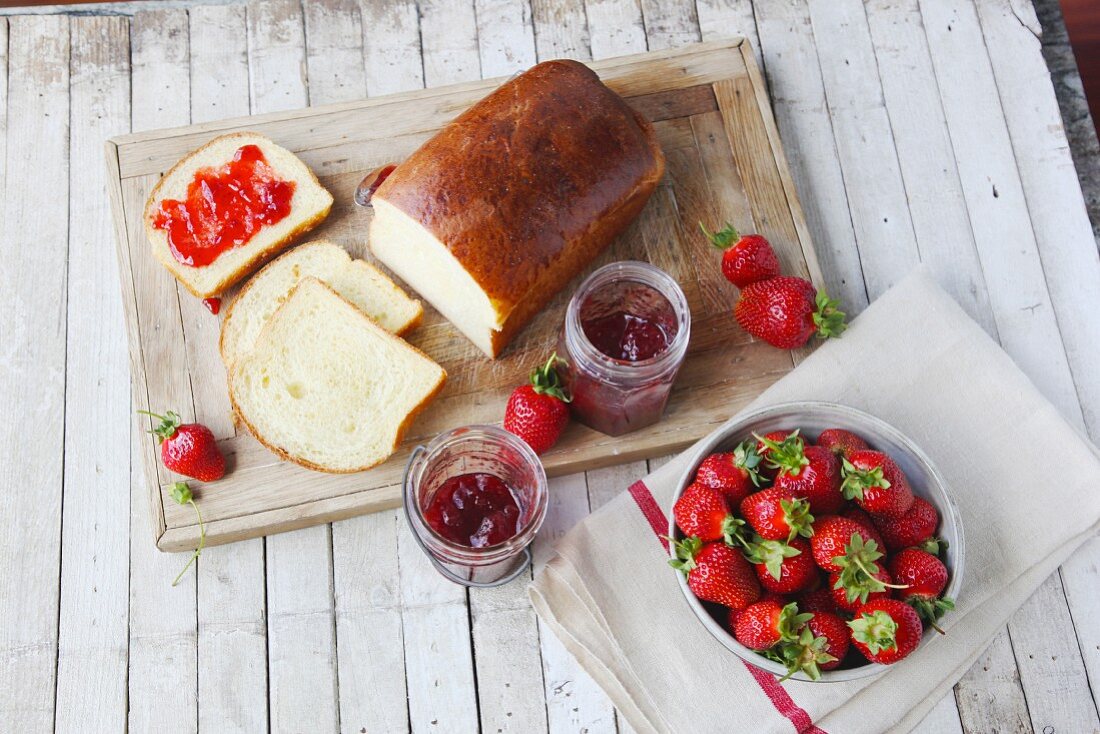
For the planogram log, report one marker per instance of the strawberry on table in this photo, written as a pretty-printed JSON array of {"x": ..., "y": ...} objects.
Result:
[
  {"x": 777, "y": 514},
  {"x": 716, "y": 573},
  {"x": 876, "y": 483},
  {"x": 188, "y": 448},
  {"x": 783, "y": 568},
  {"x": 702, "y": 512},
  {"x": 841, "y": 442},
  {"x": 915, "y": 527},
  {"x": 885, "y": 630},
  {"x": 747, "y": 258},
  {"x": 834, "y": 538},
  {"x": 785, "y": 312},
  {"x": 765, "y": 624},
  {"x": 926, "y": 577},
  {"x": 735, "y": 474},
  {"x": 822, "y": 644},
  {"x": 538, "y": 412},
  {"x": 809, "y": 472}
]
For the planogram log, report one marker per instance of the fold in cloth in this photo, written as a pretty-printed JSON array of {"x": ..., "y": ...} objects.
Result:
[{"x": 914, "y": 359}]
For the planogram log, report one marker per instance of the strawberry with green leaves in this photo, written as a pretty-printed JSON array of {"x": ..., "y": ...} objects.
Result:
[
  {"x": 925, "y": 577},
  {"x": 736, "y": 473},
  {"x": 765, "y": 624},
  {"x": 538, "y": 412},
  {"x": 809, "y": 472},
  {"x": 746, "y": 258},
  {"x": 832, "y": 538},
  {"x": 821, "y": 645},
  {"x": 188, "y": 448},
  {"x": 860, "y": 577},
  {"x": 785, "y": 312},
  {"x": 915, "y": 528},
  {"x": 703, "y": 512},
  {"x": 876, "y": 483},
  {"x": 777, "y": 514},
  {"x": 783, "y": 568},
  {"x": 716, "y": 573},
  {"x": 885, "y": 630}
]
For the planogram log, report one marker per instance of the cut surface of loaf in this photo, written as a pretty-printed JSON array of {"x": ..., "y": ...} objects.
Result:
[
  {"x": 491, "y": 217},
  {"x": 328, "y": 388},
  {"x": 309, "y": 205},
  {"x": 359, "y": 282}
]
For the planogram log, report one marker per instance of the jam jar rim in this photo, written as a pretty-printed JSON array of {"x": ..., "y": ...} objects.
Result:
[
  {"x": 647, "y": 274},
  {"x": 457, "y": 552}
]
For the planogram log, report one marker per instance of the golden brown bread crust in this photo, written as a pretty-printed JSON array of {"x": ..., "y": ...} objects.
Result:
[{"x": 530, "y": 184}]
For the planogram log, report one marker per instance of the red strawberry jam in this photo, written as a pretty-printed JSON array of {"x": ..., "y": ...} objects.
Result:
[
  {"x": 626, "y": 337},
  {"x": 477, "y": 510},
  {"x": 213, "y": 305},
  {"x": 225, "y": 207}
]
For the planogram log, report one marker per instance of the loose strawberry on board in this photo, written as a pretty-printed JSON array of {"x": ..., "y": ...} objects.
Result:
[
  {"x": 926, "y": 577},
  {"x": 735, "y": 473},
  {"x": 777, "y": 514},
  {"x": 858, "y": 515},
  {"x": 822, "y": 644},
  {"x": 841, "y": 442},
  {"x": 538, "y": 412},
  {"x": 810, "y": 472},
  {"x": 876, "y": 483},
  {"x": 783, "y": 568},
  {"x": 832, "y": 537},
  {"x": 716, "y": 573},
  {"x": 188, "y": 448},
  {"x": 702, "y": 512},
  {"x": 785, "y": 312},
  {"x": 885, "y": 630},
  {"x": 765, "y": 624},
  {"x": 747, "y": 258},
  {"x": 914, "y": 528}
]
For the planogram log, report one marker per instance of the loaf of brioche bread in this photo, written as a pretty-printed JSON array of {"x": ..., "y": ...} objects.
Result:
[
  {"x": 309, "y": 205},
  {"x": 366, "y": 287},
  {"x": 328, "y": 388},
  {"x": 491, "y": 217}
]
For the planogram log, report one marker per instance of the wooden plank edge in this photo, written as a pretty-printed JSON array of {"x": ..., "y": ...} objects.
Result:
[
  {"x": 779, "y": 155},
  {"x": 687, "y": 79},
  {"x": 138, "y": 389}
]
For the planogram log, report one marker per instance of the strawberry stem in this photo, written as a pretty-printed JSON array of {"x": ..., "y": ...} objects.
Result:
[
  {"x": 169, "y": 422},
  {"x": 181, "y": 493},
  {"x": 828, "y": 318},
  {"x": 723, "y": 238},
  {"x": 545, "y": 380}
]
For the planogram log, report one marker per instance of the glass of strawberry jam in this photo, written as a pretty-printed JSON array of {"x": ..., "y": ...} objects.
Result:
[
  {"x": 475, "y": 497},
  {"x": 625, "y": 336}
]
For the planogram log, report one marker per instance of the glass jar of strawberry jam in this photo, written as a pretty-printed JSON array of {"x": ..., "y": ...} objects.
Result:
[
  {"x": 474, "y": 498},
  {"x": 625, "y": 336}
]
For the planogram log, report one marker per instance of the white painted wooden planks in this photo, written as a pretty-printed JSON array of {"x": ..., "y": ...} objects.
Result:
[{"x": 95, "y": 563}]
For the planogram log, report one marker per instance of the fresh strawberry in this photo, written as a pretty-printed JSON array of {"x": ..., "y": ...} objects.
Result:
[
  {"x": 810, "y": 472},
  {"x": 777, "y": 514},
  {"x": 538, "y": 412},
  {"x": 834, "y": 536},
  {"x": 784, "y": 312},
  {"x": 822, "y": 644},
  {"x": 911, "y": 529},
  {"x": 849, "y": 595},
  {"x": 841, "y": 442},
  {"x": 885, "y": 630},
  {"x": 188, "y": 448},
  {"x": 876, "y": 483},
  {"x": 818, "y": 600},
  {"x": 779, "y": 599},
  {"x": 735, "y": 473},
  {"x": 717, "y": 573},
  {"x": 783, "y": 568},
  {"x": 767, "y": 471},
  {"x": 703, "y": 512},
  {"x": 858, "y": 515},
  {"x": 926, "y": 577},
  {"x": 747, "y": 258},
  {"x": 765, "y": 624}
]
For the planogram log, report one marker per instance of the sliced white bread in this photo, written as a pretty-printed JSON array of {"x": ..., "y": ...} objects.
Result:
[
  {"x": 326, "y": 387},
  {"x": 364, "y": 285},
  {"x": 309, "y": 206}
]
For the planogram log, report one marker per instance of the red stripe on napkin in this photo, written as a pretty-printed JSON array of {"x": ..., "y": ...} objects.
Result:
[{"x": 775, "y": 692}]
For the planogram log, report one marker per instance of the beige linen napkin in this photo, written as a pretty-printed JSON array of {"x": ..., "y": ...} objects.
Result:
[{"x": 914, "y": 359}]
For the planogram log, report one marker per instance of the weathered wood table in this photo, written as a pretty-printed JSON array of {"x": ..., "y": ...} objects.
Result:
[{"x": 916, "y": 131}]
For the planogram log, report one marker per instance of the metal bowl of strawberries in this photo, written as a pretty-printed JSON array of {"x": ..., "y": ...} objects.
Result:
[{"x": 816, "y": 541}]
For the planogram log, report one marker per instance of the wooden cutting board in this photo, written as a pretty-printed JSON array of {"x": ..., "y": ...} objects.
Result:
[{"x": 710, "y": 108}]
